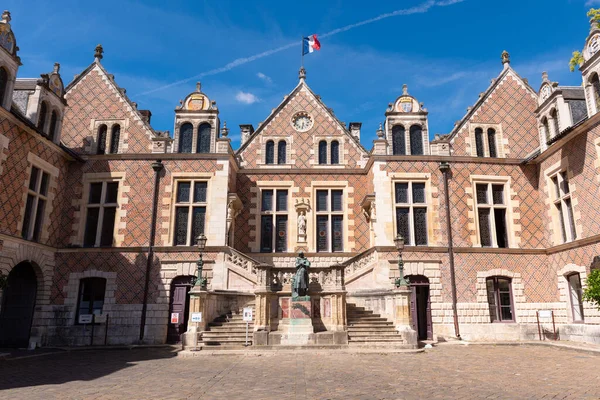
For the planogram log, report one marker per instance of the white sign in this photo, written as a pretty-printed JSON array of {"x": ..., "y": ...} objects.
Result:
[
  {"x": 247, "y": 314},
  {"x": 85, "y": 318},
  {"x": 174, "y": 318},
  {"x": 196, "y": 317},
  {"x": 545, "y": 313}
]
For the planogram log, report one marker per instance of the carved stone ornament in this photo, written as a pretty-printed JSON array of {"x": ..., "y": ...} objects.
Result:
[{"x": 302, "y": 207}]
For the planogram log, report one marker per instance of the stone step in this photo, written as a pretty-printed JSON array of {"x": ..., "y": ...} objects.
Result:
[
  {"x": 355, "y": 334},
  {"x": 228, "y": 328},
  {"x": 226, "y": 335},
  {"x": 362, "y": 315},
  {"x": 376, "y": 339},
  {"x": 370, "y": 324},
  {"x": 227, "y": 340},
  {"x": 367, "y": 319},
  {"x": 372, "y": 329}
]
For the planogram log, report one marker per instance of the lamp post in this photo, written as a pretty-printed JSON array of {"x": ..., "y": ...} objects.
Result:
[
  {"x": 401, "y": 281},
  {"x": 201, "y": 243}
]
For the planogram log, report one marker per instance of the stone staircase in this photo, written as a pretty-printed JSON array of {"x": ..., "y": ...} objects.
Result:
[
  {"x": 372, "y": 330},
  {"x": 228, "y": 330}
]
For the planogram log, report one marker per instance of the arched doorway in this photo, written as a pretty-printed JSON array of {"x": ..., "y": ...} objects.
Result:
[
  {"x": 179, "y": 308},
  {"x": 420, "y": 307},
  {"x": 18, "y": 302}
]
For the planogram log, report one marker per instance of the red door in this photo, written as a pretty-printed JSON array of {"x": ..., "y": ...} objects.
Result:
[{"x": 178, "y": 308}]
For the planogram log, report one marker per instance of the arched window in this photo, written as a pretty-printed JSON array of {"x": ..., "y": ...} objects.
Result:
[
  {"x": 203, "y": 145},
  {"x": 281, "y": 152},
  {"x": 554, "y": 117},
  {"x": 546, "y": 128},
  {"x": 42, "y": 116},
  {"x": 416, "y": 140},
  {"x": 398, "y": 141},
  {"x": 101, "y": 139},
  {"x": 186, "y": 132},
  {"x": 335, "y": 152},
  {"x": 499, "y": 294},
  {"x": 576, "y": 294},
  {"x": 595, "y": 81},
  {"x": 53, "y": 123},
  {"x": 115, "y": 135},
  {"x": 492, "y": 142},
  {"x": 270, "y": 152},
  {"x": 322, "y": 152},
  {"x": 3, "y": 84},
  {"x": 479, "y": 142}
]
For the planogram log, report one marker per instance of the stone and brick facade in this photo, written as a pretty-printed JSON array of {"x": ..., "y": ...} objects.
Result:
[{"x": 523, "y": 205}]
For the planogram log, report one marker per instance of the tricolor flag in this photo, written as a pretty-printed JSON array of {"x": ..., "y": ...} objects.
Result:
[{"x": 310, "y": 44}]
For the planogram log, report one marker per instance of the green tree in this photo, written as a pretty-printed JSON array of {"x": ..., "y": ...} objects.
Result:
[
  {"x": 592, "y": 291},
  {"x": 594, "y": 14},
  {"x": 576, "y": 60}
]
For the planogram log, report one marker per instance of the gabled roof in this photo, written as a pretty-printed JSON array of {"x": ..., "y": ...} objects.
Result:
[
  {"x": 120, "y": 91},
  {"x": 485, "y": 95},
  {"x": 302, "y": 84}
]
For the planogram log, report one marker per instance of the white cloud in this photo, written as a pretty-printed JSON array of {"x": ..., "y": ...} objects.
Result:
[
  {"x": 264, "y": 77},
  {"x": 592, "y": 3},
  {"x": 246, "y": 97}
]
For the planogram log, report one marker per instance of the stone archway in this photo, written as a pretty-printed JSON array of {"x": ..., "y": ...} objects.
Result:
[{"x": 18, "y": 304}]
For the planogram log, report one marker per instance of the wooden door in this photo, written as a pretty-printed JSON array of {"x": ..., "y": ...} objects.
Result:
[
  {"x": 18, "y": 303},
  {"x": 178, "y": 308}
]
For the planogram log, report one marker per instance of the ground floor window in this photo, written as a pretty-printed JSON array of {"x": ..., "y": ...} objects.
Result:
[
  {"x": 499, "y": 296},
  {"x": 91, "y": 296},
  {"x": 575, "y": 293}
]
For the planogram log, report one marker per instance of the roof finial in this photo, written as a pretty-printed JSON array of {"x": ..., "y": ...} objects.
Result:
[
  {"x": 198, "y": 87},
  {"x": 6, "y": 16},
  {"x": 544, "y": 76},
  {"x": 505, "y": 58},
  {"x": 224, "y": 130},
  {"x": 380, "y": 133},
  {"x": 56, "y": 68},
  {"x": 302, "y": 74},
  {"x": 405, "y": 90},
  {"x": 98, "y": 52}
]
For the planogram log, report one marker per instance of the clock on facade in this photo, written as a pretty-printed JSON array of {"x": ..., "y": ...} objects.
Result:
[
  {"x": 545, "y": 92},
  {"x": 594, "y": 45},
  {"x": 302, "y": 122}
]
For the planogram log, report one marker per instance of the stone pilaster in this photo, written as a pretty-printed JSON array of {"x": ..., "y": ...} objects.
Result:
[
  {"x": 402, "y": 317},
  {"x": 198, "y": 304}
]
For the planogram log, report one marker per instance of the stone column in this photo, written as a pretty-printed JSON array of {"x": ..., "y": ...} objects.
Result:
[
  {"x": 262, "y": 312},
  {"x": 402, "y": 317},
  {"x": 198, "y": 304}
]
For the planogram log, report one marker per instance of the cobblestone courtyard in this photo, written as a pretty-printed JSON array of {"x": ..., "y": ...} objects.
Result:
[{"x": 465, "y": 372}]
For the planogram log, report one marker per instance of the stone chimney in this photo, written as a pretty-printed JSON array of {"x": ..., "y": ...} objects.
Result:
[
  {"x": 246, "y": 131},
  {"x": 354, "y": 128},
  {"x": 146, "y": 115}
]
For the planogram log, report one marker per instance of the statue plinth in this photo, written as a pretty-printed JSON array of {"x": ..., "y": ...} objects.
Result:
[{"x": 296, "y": 325}]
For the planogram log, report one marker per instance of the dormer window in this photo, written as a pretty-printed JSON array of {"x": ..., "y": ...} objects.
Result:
[
  {"x": 479, "y": 142},
  {"x": 186, "y": 133},
  {"x": 115, "y": 135},
  {"x": 270, "y": 152},
  {"x": 281, "y": 152},
  {"x": 322, "y": 152},
  {"x": 335, "y": 152},
  {"x": 101, "y": 149},
  {"x": 554, "y": 118},
  {"x": 416, "y": 140},
  {"x": 42, "y": 117},
  {"x": 3, "y": 84},
  {"x": 546, "y": 129},
  {"x": 203, "y": 144},
  {"x": 398, "y": 141},
  {"x": 52, "y": 128},
  {"x": 595, "y": 82},
  {"x": 492, "y": 142}
]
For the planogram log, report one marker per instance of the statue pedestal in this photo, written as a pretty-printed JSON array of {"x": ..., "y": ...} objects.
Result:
[{"x": 297, "y": 328}]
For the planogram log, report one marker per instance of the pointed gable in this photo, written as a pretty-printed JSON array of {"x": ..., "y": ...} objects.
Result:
[
  {"x": 95, "y": 100},
  {"x": 508, "y": 107},
  {"x": 296, "y": 127}
]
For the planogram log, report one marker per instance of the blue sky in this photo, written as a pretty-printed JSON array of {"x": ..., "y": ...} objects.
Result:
[{"x": 447, "y": 54}]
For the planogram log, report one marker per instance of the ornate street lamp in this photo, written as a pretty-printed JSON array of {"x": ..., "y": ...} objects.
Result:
[
  {"x": 201, "y": 243},
  {"x": 401, "y": 281}
]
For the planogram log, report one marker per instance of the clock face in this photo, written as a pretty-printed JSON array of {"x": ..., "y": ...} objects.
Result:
[
  {"x": 594, "y": 45},
  {"x": 545, "y": 92},
  {"x": 302, "y": 122}
]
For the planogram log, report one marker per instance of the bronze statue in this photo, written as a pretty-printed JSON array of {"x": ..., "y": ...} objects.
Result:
[{"x": 300, "y": 283}]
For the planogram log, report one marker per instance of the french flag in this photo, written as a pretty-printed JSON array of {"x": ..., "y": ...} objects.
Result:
[{"x": 310, "y": 44}]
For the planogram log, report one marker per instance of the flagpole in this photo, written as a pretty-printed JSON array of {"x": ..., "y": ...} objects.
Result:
[{"x": 302, "y": 51}]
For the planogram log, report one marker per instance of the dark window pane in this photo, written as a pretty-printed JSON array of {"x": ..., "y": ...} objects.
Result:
[
  {"x": 108, "y": 226},
  {"x": 337, "y": 197},
  {"x": 337, "y": 240},
  {"x": 565, "y": 182},
  {"x": 183, "y": 192},
  {"x": 266, "y": 235},
  {"x": 398, "y": 140},
  {"x": 322, "y": 152},
  {"x": 420, "y": 226},
  {"x": 186, "y": 133},
  {"x": 267, "y": 200},
  {"x": 198, "y": 216},
  {"x": 112, "y": 189},
  {"x": 418, "y": 192},
  {"x": 95, "y": 193},
  {"x": 200, "y": 192},
  {"x": 270, "y": 155},
  {"x": 101, "y": 149},
  {"x": 203, "y": 143},
  {"x": 39, "y": 218},
  {"x": 506, "y": 313},
  {"x": 402, "y": 193},
  {"x": 561, "y": 218},
  {"x": 282, "y": 196},
  {"x": 3, "y": 83},
  {"x": 402, "y": 224},
  {"x": 416, "y": 140},
  {"x": 43, "y": 114},
  {"x": 484, "y": 227},
  {"x": 498, "y": 194},
  {"x": 91, "y": 226},
  {"x": 115, "y": 136},
  {"x": 35, "y": 172},
  {"x": 571, "y": 219},
  {"x": 321, "y": 200},
  {"x": 28, "y": 215},
  {"x": 281, "y": 239},
  {"x": 53, "y": 123},
  {"x": 322, "y": 228},
  {"x": 91, "y": 296},
  {"x": 335, "y": 152},
  {"x": 491, "y": 295},
  {"x": 556, "y": 187},
  {"x": 479, "y": 142},
  {"x": 281, "y": 152},
  {"x": 482, "y": 193},
  {"x": 181, "y": 226},
  {"x": 492, "y": 142},
  {"x": 44, "y": 184},
  {"x": 501, "y": 237}
]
